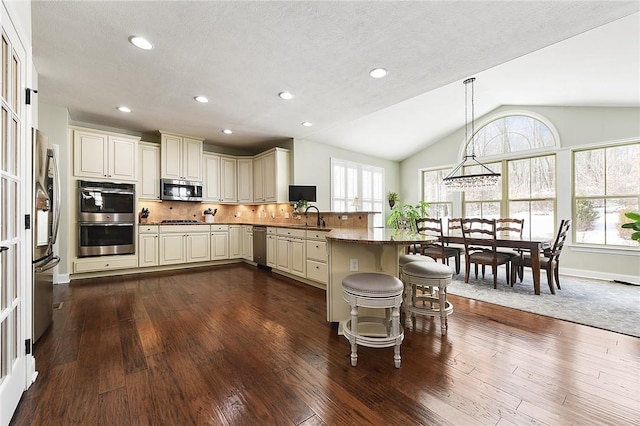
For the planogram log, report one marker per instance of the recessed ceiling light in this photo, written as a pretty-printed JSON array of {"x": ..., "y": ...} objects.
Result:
[
  {"x": 227, "y": 131},
  {"x": 123, "y": 109},
  {"x": 378, "y": 73},
  {"x": 141, "y": 42},
  {"x": 285, "y": 95},
  {"x": 201, "y": 99},
  {"x": 306, "y": 124}
]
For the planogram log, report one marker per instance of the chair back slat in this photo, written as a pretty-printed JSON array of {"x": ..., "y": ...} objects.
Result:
[
  {"x": 563, "y": 230},
  {"x": 479, "y": 228},
  {"x": 433, "y": 228},
  {"x": 508, "y": 226},
  {"x": 455, "y": 226}
]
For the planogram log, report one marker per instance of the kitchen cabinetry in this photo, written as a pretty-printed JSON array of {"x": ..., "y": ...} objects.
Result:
[
  {"x": 271, "y": 176},
  {"x": 104, "y": 155},
  {"x": 291, "y": 251},
  {"x": 235, "y": 241},
  {"x": 219, "y": 242},
  {"x": 148, "y": 171},
  {"x": 181, "y": 157},
  {"x": 220, "y": 178},
  {"x": 245, "y": 179},
  {"x": 317, "y": 256},
  {"x": 184, "y": 243},
  {"x": 272, "y": 247},
  {"x": 148, "y": 245},
  {"x": 247, "y": 242}
]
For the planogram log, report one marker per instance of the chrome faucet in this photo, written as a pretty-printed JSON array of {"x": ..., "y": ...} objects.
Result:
[{"x": 318, "y": 212}]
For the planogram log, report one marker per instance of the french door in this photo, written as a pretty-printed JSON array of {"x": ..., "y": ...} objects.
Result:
[{"x": 14, "y": 184}]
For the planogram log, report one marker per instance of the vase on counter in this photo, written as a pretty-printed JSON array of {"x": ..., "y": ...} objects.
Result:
[{"x": 208, "y": 218}]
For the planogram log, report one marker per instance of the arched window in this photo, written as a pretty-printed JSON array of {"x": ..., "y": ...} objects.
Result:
[{"x": 513, "y": 133}]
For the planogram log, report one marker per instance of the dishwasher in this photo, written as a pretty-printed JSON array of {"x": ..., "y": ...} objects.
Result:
[{"x": 260, "y": 245}]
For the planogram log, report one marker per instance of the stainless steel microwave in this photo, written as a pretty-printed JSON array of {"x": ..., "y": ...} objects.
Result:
[{"x": 180, "y": 190}]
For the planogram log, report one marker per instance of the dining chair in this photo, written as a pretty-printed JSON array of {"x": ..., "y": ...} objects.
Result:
[
  {"x": 485, "y": 253},
  {"x": 549, "y": 261},
  {"x": 437, "y": 249},
  {"x": 509, "y": 227},
  {"x": 406, "y": 224}
]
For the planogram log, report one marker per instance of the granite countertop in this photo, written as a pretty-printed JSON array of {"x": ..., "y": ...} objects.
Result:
[
  {"x": 274, "y": 225},
  {"x": 378, "y": 236}
]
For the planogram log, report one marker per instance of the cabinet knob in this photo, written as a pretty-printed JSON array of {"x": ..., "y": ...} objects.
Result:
[{"x": 106, "y": 264}]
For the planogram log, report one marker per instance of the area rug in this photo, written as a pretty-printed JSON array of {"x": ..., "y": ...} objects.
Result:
[{"x": 603, "y": 304}]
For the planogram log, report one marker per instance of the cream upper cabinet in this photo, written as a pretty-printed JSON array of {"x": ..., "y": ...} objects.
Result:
[
  {"x": 219, "y": 181},
  {"x": 271, "y": 177},
  {"x": 104, "y": 155},
  {"x": 148, "y": 171},
  {"x": 245, "y": 179},
  {"x": 181, "y": 157}
]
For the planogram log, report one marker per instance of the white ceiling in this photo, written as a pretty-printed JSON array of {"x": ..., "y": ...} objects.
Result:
[{"x": 242, "y": 54}]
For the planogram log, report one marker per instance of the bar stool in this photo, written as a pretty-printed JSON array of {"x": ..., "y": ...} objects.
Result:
[
  {"x": 373, "y": 290},
  {"x": 407, "y": 258},
  {"x": 435, "y": 276}
]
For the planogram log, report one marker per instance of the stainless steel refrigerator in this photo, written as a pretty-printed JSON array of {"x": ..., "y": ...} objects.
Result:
[{"x": 46, "y": 218}]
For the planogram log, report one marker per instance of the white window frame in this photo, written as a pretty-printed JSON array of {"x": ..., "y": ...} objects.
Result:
[{"x": 342, "y": 199}]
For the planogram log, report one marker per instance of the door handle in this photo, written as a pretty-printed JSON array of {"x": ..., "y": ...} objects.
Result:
[{"x": 3, "y": 248}]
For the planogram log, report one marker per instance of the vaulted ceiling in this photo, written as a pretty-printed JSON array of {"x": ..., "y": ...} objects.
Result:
[{"x": 242, "y": 54}]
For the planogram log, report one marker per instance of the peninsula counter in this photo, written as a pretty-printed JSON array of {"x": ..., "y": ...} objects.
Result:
[{"x": 362, "y": 250}]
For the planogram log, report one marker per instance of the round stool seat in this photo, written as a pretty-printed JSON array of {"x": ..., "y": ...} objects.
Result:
[
  {"x": 428, "y": 270},
  {"x": 406, "y": 258},
  {"x": 372, "y": 284}
]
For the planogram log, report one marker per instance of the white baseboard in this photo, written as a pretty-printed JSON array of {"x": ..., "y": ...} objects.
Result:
[
  {"x": 61, "y": 279},
  {"x": 581, "y": 273}
]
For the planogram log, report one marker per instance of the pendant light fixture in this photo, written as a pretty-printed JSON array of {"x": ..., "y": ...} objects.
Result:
[{"x": 464, "y": 182}]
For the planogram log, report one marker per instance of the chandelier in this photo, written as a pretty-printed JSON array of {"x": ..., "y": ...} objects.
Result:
[{"x": 462, "y": 182}]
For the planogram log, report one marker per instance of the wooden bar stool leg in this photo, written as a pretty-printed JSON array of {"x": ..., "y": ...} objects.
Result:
[{"x": 395, "y": 327}]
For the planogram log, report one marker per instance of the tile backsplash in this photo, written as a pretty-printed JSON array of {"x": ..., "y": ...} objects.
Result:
[{"x": 276, "y": 214}]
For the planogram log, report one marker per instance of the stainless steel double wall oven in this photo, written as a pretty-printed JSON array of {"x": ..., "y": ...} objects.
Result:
[{"x": 106, "y": 218}]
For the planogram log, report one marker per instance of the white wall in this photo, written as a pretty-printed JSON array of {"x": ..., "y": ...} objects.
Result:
[
  {"x": 312, "y": 166},
  {"x": 577, "y": 127}
]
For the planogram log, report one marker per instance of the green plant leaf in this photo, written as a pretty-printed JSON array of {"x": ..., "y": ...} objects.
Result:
[{"x": 633, "y": 216}]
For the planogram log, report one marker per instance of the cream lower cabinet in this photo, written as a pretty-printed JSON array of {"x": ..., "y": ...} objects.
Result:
[
  {"x": 148, "y": 254},
  {"x": 219, "y": 242},
  {"x": 247, "y": 242},
  {"x": 272, "y": 247},
  {"x": 184, "y": 244},
  {"x": 235, "y": 241},
  {"x": 291, "y": 251},
  {"x": 317, "y": 256}
]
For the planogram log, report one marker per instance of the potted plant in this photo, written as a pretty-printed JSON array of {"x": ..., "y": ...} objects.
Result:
[
  {"x": 633, "y": 225},
  {"x": 393, "y": 198},
  {"x": 408, "y": 211},
  {"x": 300, "y": 206}
]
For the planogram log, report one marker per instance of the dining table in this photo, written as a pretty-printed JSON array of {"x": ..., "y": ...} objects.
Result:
[{"x": 533, "y": 244}]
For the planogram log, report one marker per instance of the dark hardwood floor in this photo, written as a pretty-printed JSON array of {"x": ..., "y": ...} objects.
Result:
[{"x": 237, "y": 345}]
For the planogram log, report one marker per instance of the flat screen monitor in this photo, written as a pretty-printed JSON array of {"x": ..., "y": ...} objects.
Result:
[{"x": 302, "y": 192}]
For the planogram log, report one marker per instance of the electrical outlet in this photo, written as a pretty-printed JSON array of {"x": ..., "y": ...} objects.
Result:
[
  {"x": 239, "y": 213},
  {"x": 354, "y": 265},
  {"x": 286, "y": 215},
  {"x": 343, "y": 217}
]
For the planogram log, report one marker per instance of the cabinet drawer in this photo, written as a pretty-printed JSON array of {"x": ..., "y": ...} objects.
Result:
[
  {"x": 271, "y": 231},
  {"x": 147, "y": 229},
  {"x": 219, "y": 228},
  {"x": 317, "y": 250},
  {"x": 317, "y": 235},
  {"x": 105, "y": 264},
  {"x": 183, "y": 229},
  {"x": 317, "y": 271},
  {"x": 293, "y": 233}
]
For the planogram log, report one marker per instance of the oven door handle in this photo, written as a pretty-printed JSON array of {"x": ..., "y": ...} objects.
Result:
[
  {"x": 106, "y": 223},
  {"x": 106, "y": 191}
]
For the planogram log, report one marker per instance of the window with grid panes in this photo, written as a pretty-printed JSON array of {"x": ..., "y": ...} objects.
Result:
[
  {"x": 606, "y": 186},
  {"x": 350, "y": 180},
  {"x": 436, "y": 194}
]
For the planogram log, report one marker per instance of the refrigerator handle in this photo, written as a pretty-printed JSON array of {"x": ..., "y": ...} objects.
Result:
[
  {"x": 56, "y": 195},
  {"x": 52, "y": 263},
  {"x": 3, "y": 248}
]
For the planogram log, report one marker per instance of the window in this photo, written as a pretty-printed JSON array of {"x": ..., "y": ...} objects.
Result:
[
  {"x": 436, "y": 194},
  {"x": 513, "y": 133},
  {"x": 350, "y": 180},
  {"x": 605, "y": 188}
]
